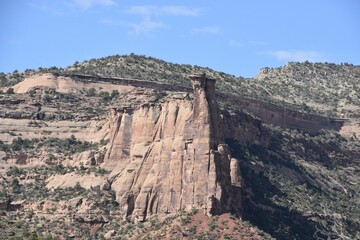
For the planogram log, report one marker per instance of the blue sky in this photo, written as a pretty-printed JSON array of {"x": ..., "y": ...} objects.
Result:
[{"x": 232, "y": 36}]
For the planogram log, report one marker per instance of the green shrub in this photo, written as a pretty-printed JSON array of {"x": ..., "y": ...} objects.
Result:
[
  {"x": 3, "y": 146},
  {"x": 212, "y": 225},
  {"x": 105, "y": 96},
  {"x": 47, "y": 98},
  {"x": 10, "y": 91},
  {"x": 19, "y": 144},
  {"x": 91, "y": 92},
  {"x": 114, "y": 94}
]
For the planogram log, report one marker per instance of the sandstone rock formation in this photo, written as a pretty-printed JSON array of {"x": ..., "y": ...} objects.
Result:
[
  {"x": 171, "y": 157},
  {"x": 62, "y": 84}
]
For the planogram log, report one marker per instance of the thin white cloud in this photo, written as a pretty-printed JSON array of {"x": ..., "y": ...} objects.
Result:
[
  {"x": 46, "y": 8},
  {"x": 296, "y": 56},
  {"x": 107, "y": 21},
  {"x": 41, "y": 7},
  {"x": 149, "y": 10},
  {"x": 239, "y": 44},
  {"x": 145, "y": 26},
  {"x": 207, "y": 29},
  {"x": 258, "y": 43},
  {"x": 180, "y": 11},
  {"x": 85, "y": 4},
  {"x": 235, "y": 44}
]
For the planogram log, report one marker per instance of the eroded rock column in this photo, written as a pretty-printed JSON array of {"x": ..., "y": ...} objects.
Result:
[
  {"x": 173, "y": 157},
  {"x": 223, "y": 176}
]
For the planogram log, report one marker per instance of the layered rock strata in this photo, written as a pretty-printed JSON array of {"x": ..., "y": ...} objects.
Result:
[{"x": 172, "y": 157}]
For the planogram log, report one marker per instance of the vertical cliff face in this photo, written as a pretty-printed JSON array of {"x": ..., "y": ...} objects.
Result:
[{"x": 171, "y": 157}]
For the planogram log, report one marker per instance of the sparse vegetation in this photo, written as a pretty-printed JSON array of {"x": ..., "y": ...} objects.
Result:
[
  {"x": 296, "y": 185},
  {"x": 315, "y": 86},
  {"x": 66, "y": 146},
  {"x": 302, "y": 177},
  {"x": 322, "y": 88}
]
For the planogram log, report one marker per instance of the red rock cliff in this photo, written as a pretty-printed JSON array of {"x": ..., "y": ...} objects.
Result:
[{"x": 171, "y": 157}]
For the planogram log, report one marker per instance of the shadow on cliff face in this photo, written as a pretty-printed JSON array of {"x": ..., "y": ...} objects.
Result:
[
  {"x": 258, "y": 194},
  {"x": 280, "y": 222}
]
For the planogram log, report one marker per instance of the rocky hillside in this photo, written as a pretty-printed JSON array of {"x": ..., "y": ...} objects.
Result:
[
  {"x": 328, "y": 88},
  {"x": 320, "y": 88},
  {"x": 89, "y": 152}
]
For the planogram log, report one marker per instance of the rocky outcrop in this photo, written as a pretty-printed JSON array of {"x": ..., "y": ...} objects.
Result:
[
  {"x": 30, "y": 129},
  {"x": 9, "y": 205},
  {"x": 172, "y": 156},
  {"x": 64, "y": 84}
]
